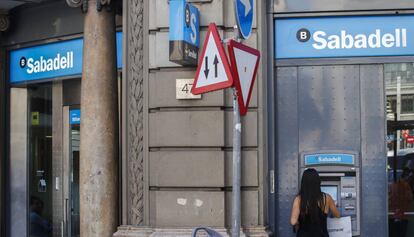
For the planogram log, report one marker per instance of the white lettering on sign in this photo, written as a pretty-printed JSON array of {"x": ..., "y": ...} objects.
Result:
[
  {"x": 75, "y": 119},
  {"x": 329, "y": 159},
  {"x": 50, "y": 64},
  {"x": 303, "y": 35},
  {"x": 193, "y": 34},
  {"x": 183, "y": 89},
  {"x": 360, "y": 41}
]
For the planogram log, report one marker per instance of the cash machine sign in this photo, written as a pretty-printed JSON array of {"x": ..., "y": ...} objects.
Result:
[{"x": 329, "y": 159}]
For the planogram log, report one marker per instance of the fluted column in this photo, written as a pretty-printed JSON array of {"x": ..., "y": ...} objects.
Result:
[{"x": 99, "y": 125}]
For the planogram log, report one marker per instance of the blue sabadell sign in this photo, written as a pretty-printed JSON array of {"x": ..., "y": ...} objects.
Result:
[
  {"x": 184, "y": 32},
  {"x": 74, "y": 116},
  {"x": 329, "y": 159},
  {"x": 49, "y": 61},
  {"x": 349, "y": 36}
]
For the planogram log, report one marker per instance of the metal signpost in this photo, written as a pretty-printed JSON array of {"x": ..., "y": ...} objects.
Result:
[
  {"x": 243, "y": 11},
  {"x": 214, "y": 72},
  {"x": 244, "y": 61}
]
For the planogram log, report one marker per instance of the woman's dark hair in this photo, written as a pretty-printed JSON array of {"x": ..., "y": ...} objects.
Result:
[{"x": 311, "y": 197}]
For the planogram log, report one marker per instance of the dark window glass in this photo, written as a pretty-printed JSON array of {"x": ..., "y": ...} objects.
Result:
[{"x": 40, "y": 160}]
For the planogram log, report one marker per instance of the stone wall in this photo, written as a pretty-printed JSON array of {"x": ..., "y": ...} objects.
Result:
[{"x": 179, "y": 155}]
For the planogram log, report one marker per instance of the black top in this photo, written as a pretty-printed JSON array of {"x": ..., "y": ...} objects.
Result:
[{"x": 309, "y": 229}]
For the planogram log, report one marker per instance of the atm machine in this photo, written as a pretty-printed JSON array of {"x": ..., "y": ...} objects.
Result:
[{"x": 340, "y": 178}]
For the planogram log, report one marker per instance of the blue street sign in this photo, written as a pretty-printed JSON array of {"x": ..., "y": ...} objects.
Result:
[
  {"x": 244, "y": 16},
  {"x": 344, "y": 36},
  {"x": 52, "y": 61}
]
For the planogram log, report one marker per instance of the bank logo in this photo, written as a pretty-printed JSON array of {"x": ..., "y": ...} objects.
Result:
[
  {"x": 303, "y": 35},
  {"x": 187, "y": 15},
  {"x": 42, "y": 64},
  {"x": 345, "y": 40},
  {"x": 23, "y": 62}
]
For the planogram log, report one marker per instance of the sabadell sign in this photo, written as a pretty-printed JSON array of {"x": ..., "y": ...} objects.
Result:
[
  {"x": 50, "y": 61},
  {"x": 351, "y": 36}
]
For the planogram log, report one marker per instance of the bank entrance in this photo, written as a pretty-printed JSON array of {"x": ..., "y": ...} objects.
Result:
[
  {"x": 44, "y": 158},
  {"x": 44, "y": 117},
  {"x": 331, "y": 117},
  {"x": 334, "y": 111},
  {"x": 345, "y": 106}
]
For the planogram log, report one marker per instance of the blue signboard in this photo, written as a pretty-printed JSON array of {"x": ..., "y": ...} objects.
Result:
[
  {"x": 244, "y": 16},
  {"x": 74, "y": 116},
  {"x": 329, "y": 159},
  {"x": 350, "y": 36},
  {"x": 184, "y": 32},
  {"x": 53, "y": 60}
]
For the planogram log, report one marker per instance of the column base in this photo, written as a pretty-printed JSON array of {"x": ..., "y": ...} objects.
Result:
[{"x": 132, "y": 231}]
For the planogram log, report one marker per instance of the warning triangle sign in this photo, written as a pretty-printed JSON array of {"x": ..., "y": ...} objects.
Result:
[
  {"x": 213, "y": 71},
  {"x": 244, "y": 62}
]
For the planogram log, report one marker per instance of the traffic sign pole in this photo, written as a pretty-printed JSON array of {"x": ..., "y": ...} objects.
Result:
[
  {"x": 237, "y": 127},
  {"x": 215, "y": 73}
]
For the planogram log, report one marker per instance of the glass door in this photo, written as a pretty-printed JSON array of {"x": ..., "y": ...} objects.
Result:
[
  {"x": 399, "y": 82},
  {"x": 40, "y": 159}
]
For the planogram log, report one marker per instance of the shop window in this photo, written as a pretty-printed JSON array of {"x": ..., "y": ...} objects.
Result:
[
  {"x": 399, "y": 87},
  {"x": 407, "y": 104}
]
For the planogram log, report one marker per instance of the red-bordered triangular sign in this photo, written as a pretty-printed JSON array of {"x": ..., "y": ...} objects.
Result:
[
  {"x": 244, "y": 63},
  {"x": 213, "y": 71}
]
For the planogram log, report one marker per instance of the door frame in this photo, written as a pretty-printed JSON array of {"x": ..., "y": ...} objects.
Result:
[
  {"x": 18, "y": 165},
  {"x": 66, "y": 171}
]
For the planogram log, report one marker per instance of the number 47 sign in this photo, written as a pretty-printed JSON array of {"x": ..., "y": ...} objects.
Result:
[{"x": 183, "y": 89}]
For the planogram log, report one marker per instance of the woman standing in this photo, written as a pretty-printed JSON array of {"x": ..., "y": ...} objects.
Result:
[{"x": 311, "y": 207}]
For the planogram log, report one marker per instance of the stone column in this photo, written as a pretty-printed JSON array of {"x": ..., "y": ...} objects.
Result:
[{"x": 99, "y": 125}]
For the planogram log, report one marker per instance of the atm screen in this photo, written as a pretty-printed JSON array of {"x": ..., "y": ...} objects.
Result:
[{"x": 331, "y": 190}]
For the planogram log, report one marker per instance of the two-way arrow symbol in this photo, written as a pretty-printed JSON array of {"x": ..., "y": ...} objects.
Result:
[{"x": 207, "y": 70}]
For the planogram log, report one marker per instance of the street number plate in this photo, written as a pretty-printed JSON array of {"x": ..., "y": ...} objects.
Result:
[{"x": 183, "y": 90}]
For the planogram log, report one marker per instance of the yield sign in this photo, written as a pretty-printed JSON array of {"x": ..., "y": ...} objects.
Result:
[
  {"x": 244, "y": 61},
  {"x": 213, "y": 72}
]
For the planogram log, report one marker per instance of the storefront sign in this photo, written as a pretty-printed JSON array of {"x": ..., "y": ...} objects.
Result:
[
  {"x": 353, "y": 36},
  {"x": 51, "y": 61},
  {"x": 410, "y": 139},
  {"x": 184, "y": 32},
  {"x": 329, "y": 159},
  {"x": 75, "y": 116}
]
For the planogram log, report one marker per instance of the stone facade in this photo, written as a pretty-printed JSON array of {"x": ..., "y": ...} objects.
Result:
[{"x": 179, "y": 152}]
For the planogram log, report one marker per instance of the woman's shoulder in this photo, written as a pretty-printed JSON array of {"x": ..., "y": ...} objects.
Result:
[{"x": 327, "y": 197}]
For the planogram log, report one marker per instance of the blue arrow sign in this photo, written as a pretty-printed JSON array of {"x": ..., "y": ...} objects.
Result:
[{"x": 244, "y": 16}]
